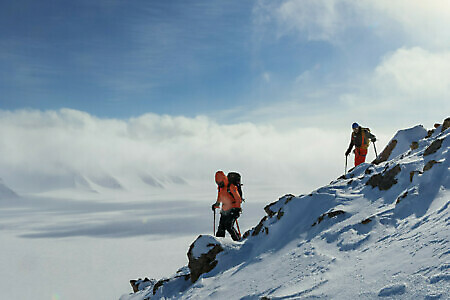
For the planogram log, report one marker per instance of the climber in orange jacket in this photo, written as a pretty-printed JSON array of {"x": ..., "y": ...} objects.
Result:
[{"x": 231, "y": 201}]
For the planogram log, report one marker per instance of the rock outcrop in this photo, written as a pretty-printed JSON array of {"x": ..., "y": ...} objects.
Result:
[
  {"x": 384, "y": 155},
  {"x": 385, "y": 180},
  {"x": 202, "y": 256},
  {"x": 330, "y": 215},
  {"x": 141, "y": 284},
  {"x": 433, "y": 147},
  {"x": 446, "y": 125}
]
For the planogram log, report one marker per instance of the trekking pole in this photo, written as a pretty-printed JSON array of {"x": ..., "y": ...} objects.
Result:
[
  {"x": 239, "y": 231},
  {"x": 346, "y": 165},
  {"x": 214, "y": 226},
  {"x": 374, "y": 147}
]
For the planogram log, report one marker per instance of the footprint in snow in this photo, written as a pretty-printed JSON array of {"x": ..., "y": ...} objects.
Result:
[{"x": 397, "y": 289}]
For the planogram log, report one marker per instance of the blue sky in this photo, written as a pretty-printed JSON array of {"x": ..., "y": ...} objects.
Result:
[
  {"x": 122, "y": 58},
  {"x": 226, "y": 59}
]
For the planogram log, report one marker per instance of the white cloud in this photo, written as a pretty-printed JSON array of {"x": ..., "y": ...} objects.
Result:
[
  {"x": 410, "y": 84},
  {"x": 415, "y": 73},
  {"x": 318, "y": 19},
  {"x": 64, "y": 146},
  {"x": 414, "y": 21},
  {"x": 424, "y": 22}
]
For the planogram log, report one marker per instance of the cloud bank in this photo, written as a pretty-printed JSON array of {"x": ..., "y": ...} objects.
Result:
[{"x": 44, "y": 150}]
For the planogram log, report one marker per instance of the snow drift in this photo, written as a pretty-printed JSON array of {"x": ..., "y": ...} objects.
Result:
[{"x": 380, "y": 231}]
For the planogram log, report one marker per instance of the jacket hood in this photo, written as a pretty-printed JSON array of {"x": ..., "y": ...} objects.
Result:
[{"x": 221, "y": 178}]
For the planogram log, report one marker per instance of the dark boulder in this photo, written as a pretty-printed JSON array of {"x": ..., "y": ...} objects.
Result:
[
  {"x": 384, "y": 155},
  {"x": 414, "y": 145},
  {"x": 445, "y": 125},
  {"x": 202, "y": 256},
  {"x": 139, "y": 284},
  {"x": 385, "y": 180},
  {"x": 430, "y": 164},
  {"x": 330, "y": 215},
  {"x": 435, "y": 146}
]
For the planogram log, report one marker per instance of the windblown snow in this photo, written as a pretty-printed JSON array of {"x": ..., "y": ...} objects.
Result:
[{"x": 380, "y": 231}]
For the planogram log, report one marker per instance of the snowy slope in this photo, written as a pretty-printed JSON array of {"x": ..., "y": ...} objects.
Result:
[{"x": 381, "y": 231}]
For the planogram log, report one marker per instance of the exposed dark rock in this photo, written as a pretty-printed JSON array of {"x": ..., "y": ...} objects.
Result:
[
  {"x": 134, "y": 286},
  {"x": 268, "y": 208},
  {"x": 445, "y": 125},
  {"x": 350, "y": 182},
  {"x": 258, "y": 227},
  {"x": 412, "y": 173},
  {"x": 280, "y": 214},
  {"x": 333, "y": 214},
  {"x": 264, "y": 298},
  {"x": 384, "y": 155},
  {"x": 206, "y": 262},
  {"x": 414, "y": 145},
  {"x": 385, "y": 180},
  {"x": 246, "y": 234},
  {"x": 185, "y": 276},
  {"x": 401, "y": 197},
  {"x": 430, "y": 133},
  {"x": 159, "y": 284},
  {"x": 330, "y": 215},
  {"x": 139, "y": 284},
  {"x": 430, "y": 164},
  {"x": 433, "y": 147},
  {"x": 288, "y": 197},
  {"x": 368, "y": 171},
  {"x": 268, "y": 211},
  {"x": 366, "y": 221}
]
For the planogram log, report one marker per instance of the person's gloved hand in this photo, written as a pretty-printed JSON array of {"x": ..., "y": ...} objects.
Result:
[
  {"x": 347, "y": 152},
  {"x": 374, "y": 139},
  {"x": 214, "y": 206}
]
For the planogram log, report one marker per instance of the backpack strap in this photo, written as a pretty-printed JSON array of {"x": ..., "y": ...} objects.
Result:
[{"x": 229, "y": 190}]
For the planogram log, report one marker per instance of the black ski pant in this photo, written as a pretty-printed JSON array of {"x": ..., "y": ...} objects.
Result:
[{"x": 227, "y": 220}]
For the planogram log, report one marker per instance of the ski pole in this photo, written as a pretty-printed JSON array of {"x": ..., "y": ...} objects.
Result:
[
  {"x": 374, "y": 147},
  {"x": 214, "y": 226}
]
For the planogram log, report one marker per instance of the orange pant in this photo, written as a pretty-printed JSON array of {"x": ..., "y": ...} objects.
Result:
[{"x": 360, "y": 156}]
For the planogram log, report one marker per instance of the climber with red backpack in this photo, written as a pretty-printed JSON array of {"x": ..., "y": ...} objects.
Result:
[
  {"x": 230, "y": 195},
  {"x": 360, "y": 138}
]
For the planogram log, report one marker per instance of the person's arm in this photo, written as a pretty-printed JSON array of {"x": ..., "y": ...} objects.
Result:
[
  {"x": 217, "y": 204},
  {"x": 372, "y": 137},
  {"x": 350, "y": 147}
]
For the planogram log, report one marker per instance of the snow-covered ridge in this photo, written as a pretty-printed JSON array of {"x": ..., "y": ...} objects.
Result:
[{"x": 379, "y": 231}]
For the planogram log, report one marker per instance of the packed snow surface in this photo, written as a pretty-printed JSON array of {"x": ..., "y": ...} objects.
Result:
[{"x": 381, "y": 231}]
